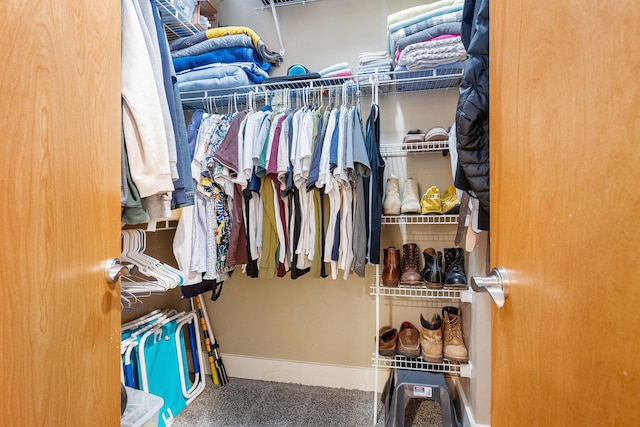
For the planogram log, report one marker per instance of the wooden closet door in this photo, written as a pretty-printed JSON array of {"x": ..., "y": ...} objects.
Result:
[
  {"x": 60, "y": 175},
  {"x": 565, "y": 177}
]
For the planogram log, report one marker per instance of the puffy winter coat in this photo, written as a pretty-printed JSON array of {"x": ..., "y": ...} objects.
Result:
[{"x": 472, "y": 115}]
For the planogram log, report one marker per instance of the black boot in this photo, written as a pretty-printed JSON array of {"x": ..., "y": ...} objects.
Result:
[
  {"x": 454, "y": 275},
  {"x": 432, "y": 272}
]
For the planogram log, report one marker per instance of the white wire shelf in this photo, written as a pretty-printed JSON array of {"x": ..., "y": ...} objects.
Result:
[
  {"x": 420, "y": 219},
  {"x": 422, "y": 291},
  {"x": 419, "y": 364},
  {"x": 359, "y": 84},
  {"x": 176, "y": 24},
  {"x": 406, "y": 148},
  {"x": 278, "y": 3}
]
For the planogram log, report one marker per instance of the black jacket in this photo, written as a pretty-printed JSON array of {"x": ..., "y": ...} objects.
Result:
[{"x": 472, "y": 115}]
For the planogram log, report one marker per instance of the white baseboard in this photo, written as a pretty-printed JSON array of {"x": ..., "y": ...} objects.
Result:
[
  {"x": 468, "y": 419},
  {"x": 306, "y": 373}
]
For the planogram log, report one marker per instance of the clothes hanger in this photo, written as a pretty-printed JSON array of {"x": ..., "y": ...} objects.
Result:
[
  {"x": 174, "y": 276},
  {"x": 132, "y": 252},
  {"x": 173, "y": 272}
]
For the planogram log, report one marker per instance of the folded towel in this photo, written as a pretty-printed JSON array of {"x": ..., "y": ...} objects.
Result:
[
  {"x": 428, "y": 15},
  {"x": 405, "y": 14},
  {"x": 341, "y": 66}
]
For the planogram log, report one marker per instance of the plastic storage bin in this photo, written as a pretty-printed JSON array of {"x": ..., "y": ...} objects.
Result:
[{"x": 143, "y": 409}]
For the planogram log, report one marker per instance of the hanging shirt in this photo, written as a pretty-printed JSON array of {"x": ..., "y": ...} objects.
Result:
[{"x": 374, "y": 184}]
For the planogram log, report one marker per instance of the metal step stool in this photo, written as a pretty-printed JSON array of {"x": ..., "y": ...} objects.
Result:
[{"x": 405, "y": 384}]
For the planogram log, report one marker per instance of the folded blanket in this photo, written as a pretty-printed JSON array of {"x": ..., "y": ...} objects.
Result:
[
  {"x": 266, "y": 54},
  {"x": 428, "y": 15},
  {"x": 411, "y": 12},
  {"x": 430, "y": 34},
  {"x": 254, "y": 73},
  {"x": 431, "y": 53},
  {"x": 440, "y": 37},
  {"x": 234, "y": 40},
  {"x": 427, "y": 23},
  {"x": 219, "y": 77},
  {"x": 225, "y": 56},
  {"x": 188, "y": 41}
]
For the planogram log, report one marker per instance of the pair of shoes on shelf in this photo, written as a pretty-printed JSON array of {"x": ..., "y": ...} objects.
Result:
[
  {"x": 405, "y": 342},
  {"x": 406, "y": 272},
  {"x": 453, "y": 274},
  {"x": 415, "y": 136},
  {"x": 442, "y": 337},
  {"x": 410, "y": 203},
  {"x": 432, "y": 202}
]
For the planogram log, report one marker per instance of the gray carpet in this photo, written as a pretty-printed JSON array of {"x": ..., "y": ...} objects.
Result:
[{"x": 252, "y": 403}]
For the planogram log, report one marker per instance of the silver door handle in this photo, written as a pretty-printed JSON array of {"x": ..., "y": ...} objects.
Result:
[
  {"x": 497, "y": 285},
  {"x": 114, "y": 269}
]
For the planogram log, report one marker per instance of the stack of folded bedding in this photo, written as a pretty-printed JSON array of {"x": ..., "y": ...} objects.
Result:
[
  {"x": 339, "y": 70},
  {"x": 426, "y": 39},
  {"x": 372, "y": 63},
  {"x": 221, "y": 58}
]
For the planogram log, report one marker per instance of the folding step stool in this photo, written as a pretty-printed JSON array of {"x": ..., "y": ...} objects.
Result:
[{"x": 409, "y": 384}]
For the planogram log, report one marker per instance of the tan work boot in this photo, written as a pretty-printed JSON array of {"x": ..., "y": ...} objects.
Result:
[
  {"x": 410, "y": 197},
  {"x": 450, "y": 202},
  {"x": 454, "y": 348},
  {"x": 431, "y": 201},
  {"x": 410, "y": 259},
  {"x": 431, "y": 339},
  {"x": 391, "y": 204}
]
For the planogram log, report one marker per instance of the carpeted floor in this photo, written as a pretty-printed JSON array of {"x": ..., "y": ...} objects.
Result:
[{"x": 252, "y": 403}]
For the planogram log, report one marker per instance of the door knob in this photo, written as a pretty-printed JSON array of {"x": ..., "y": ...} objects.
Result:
[
  {"x": 496, "y": 284},
  {"x": 114, "y": 269}
]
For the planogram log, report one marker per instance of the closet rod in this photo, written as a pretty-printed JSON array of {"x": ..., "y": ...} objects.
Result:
[
  {"x": 260, "y": 93},
  {"x": 366, "y": 84}
]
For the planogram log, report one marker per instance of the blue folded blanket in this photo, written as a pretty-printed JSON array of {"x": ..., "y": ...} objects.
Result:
[
  {"x": 223, "y": 77},
  {"x": 254, "y": 73},
  {"x": 225, "y": 56}
]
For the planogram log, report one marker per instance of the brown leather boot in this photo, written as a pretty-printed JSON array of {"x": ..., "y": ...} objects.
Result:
[
  {"x": 410, "y": 272},
  {"x": 391, "y": 271},
  {"x": 454, "y": 348}
]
